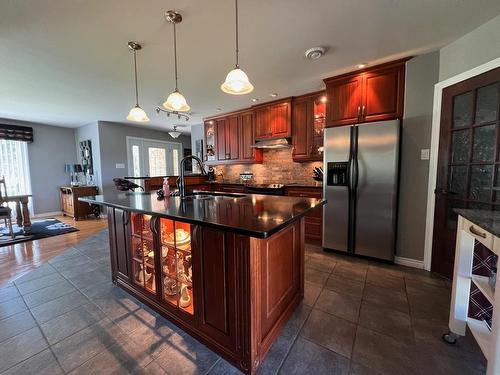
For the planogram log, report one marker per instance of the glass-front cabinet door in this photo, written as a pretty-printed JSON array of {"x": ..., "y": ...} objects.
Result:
[
  {"x": 176, "y": 265},
  {"x": 143, "y": 254},
  {"x": 319, "y": 121}
]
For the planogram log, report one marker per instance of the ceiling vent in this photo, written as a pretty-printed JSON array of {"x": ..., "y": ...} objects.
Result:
[{"x": 315, "y": 53}]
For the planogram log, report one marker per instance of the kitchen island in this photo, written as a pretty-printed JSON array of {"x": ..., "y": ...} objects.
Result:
[{"x": 226, "y": 268}]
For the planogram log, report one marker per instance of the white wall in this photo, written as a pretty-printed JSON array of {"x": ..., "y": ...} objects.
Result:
[
  {"x": 422, "y": 73},
  {"x": 475, "y": 48}
]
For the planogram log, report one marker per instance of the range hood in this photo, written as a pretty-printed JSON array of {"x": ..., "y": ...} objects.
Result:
[{"x": 272, "y": 144}]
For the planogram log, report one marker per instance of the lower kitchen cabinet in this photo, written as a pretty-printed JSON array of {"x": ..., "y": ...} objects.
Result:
[
  {"x": 232, "y": 292},
  {"x": 314, "y": 220}
]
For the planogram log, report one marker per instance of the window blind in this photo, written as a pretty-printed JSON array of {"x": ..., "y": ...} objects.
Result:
[{"x": 16, "y": 133}]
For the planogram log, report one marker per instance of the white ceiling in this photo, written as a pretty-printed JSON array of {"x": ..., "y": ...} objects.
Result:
[{"x": 66, "y": 62}]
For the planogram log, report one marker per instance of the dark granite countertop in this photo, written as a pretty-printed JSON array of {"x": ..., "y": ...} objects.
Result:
[
  {"x": 253, "y": 215},
  {"x": 486, "y": 219}
]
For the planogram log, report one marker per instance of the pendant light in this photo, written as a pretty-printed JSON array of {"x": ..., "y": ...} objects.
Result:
[
  {"x": 174, "y": 133},
  {"x": 237, "y": 82},
  {"x": 175, "y": 102},
  {"x": 136, "y": 114}
]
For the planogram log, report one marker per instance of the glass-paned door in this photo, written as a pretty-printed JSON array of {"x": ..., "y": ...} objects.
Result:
[
  {"x": 149, "y": 158},
  {"x": 143, "y": 264},
  {"x": 468, "y": 162},
  {"x": 177, "y": 265}
]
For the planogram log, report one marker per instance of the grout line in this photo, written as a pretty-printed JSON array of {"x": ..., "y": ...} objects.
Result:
[{"x": 44, "y": 337}]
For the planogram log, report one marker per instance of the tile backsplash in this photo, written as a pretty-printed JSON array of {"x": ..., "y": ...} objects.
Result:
[{"x": 277, "y": 167}]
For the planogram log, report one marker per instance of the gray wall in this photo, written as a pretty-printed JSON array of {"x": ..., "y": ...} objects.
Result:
[
  {"x": 422, "y": 73},
  {"x": 53, "y": 147},
  {"x": 113, "y": 146},
  {"x": 90, "y": 132},
  {"x": 475, "y": 48}
]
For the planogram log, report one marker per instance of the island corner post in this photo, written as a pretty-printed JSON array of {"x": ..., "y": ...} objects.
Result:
[{"x": 231, "y": 290}]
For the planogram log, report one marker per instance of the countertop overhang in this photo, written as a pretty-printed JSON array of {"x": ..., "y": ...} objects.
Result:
[
  {"x": 252, "y": 215},
  {"x": 486, "y": 219}
]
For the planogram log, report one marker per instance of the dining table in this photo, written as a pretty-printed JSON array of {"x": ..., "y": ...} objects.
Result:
[{"x": 22, "y": 212}]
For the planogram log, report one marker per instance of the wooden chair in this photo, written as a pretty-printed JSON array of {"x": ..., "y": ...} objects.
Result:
[{"x": 5, "y": 210}]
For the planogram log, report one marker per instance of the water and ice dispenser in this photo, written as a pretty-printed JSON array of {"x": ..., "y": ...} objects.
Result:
[{"x": 336, "y": 174}]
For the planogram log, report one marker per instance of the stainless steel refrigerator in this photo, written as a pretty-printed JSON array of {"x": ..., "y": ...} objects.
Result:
[{"x": 361, "y": 165}]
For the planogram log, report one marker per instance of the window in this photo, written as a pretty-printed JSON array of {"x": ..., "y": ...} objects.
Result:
[
  {"x": 157, "y": 161},
  {"x": 14, "y": 167},
  {"x": 136, "y": 161},
  {"x": 149, "y": 158}
]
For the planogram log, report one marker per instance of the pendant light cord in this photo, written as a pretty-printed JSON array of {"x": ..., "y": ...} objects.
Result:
[
  {"x": 175, "y": 58},
  {"x": 237, "y": 37},
  {"x": 135, "y": 72}
]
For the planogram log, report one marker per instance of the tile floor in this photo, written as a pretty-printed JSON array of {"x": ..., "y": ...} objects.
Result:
[{"x": 357, "y": 318}]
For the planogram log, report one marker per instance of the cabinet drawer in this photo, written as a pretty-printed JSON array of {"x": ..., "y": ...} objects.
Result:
[
  {"x": 486, "y": 238},
  {"x": 304, "y": 193}
]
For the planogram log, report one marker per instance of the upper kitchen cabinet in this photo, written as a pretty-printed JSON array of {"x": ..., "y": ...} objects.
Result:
[
  {"x": 374, "y": 94},
  {"x": 229, "y": 139},
  {"x": 273, "y": 120},
  {"x": 308, "y": 123}
]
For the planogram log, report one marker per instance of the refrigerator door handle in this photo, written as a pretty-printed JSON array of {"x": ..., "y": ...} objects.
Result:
[{"x": 355, "y": 167}]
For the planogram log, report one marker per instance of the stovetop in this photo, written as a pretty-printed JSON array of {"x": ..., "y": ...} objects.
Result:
[{"x": 266, "y": 186}]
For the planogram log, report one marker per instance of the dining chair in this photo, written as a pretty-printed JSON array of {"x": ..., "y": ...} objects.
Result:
[{"x": 5, "y": 210}]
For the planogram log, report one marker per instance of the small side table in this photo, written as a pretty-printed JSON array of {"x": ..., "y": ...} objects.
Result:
[{"x": 71, "y": 206}]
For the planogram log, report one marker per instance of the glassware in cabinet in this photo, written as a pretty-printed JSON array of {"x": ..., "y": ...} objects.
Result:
[
  {"x": 177, "y": 264},
  {"x": 143, "y": 268}
]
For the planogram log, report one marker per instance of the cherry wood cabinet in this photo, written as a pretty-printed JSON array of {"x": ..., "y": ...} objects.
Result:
[
  {"x": 374, "y": 94},
  {"x": 273, "y": 120},
  {"x": 234, "y": 134},
  {"x": 247, "y": 137},
  {"x": 308, "y": 123},
  {"x": 313, "y": 221},
  {"x": 232, "y": 292},
  {"x": 262, "y": 123}
]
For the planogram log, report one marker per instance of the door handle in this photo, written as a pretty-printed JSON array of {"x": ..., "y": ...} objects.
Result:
[
  {"x": 444, "y": 192},
  {"x": 476, "y": 232},
  {"x": 359, "y": 112},
  {"x": 363, "y": 112}
]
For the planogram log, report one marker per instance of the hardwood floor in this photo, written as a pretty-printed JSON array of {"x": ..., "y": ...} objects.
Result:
[{"x": 18, "y": 259}]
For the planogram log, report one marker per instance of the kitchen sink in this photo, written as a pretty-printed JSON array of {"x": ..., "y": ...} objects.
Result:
[{"x": 213, "y": 195}]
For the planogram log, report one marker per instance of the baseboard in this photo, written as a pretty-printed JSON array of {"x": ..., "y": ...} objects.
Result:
[
  {"x": 46, "y": 214},
  {"x": 408, "y": 262}
]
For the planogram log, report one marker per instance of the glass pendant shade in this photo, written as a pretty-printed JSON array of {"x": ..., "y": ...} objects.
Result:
[
  {"x": 137, "y": 114},
  {"x": 176, "y": 102},
  {"x": 174, "y": 134},
  {"x": 237, "y": 83}
]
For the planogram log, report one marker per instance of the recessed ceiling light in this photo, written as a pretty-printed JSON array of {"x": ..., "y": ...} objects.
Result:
[
  {"x": 273, "y": 95},
  {"x": 315, "y": 53},
  {"x": 361, "y": 66},
  {"x": 218, "y": 109},
  {"x": 255, "y": 100}
]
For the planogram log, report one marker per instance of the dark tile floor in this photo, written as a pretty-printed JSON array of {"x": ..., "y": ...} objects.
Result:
[{"x": 358, "y": 317}]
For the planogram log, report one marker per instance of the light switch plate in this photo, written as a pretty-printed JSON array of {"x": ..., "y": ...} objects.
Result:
[
  {"x": 120, "y": 166},
  {"x": 425, "y": 154}
]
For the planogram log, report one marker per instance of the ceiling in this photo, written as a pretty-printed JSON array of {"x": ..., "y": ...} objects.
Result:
[{"x": 66, "y": 63}]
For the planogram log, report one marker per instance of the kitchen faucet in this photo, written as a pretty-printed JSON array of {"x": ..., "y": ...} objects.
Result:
[{"x": 181, "y": 184}]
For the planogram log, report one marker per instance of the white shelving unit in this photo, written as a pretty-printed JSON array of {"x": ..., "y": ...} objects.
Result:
[{"x": 488, "y": 341}]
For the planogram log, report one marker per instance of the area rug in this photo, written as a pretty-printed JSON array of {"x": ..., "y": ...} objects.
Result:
[{"x": 39, "y": 229}]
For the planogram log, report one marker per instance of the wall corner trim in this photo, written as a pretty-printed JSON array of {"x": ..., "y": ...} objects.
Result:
[{"x": 408, "y": 262}]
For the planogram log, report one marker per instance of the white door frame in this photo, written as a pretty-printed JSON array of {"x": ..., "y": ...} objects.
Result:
[
  {"x": 433, "y": 163},
  {"x": 130, "y": 139}
]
